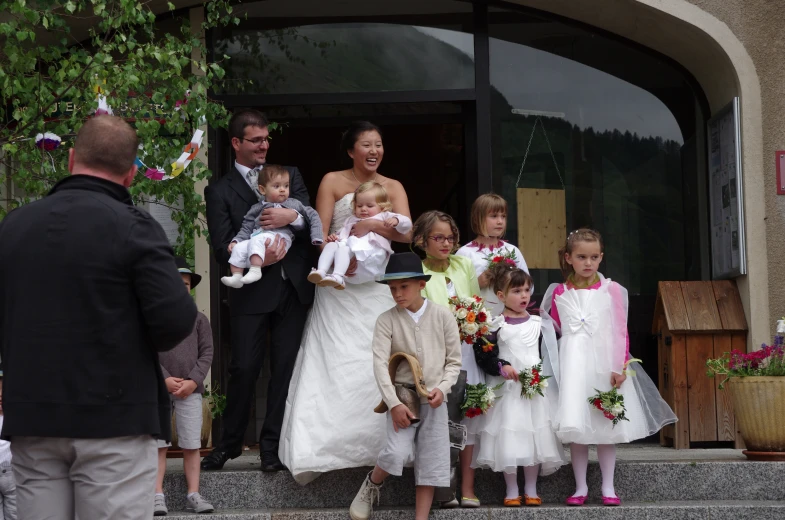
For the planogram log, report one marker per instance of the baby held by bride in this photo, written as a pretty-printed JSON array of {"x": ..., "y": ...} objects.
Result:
[{"x": 371, "y": 251}]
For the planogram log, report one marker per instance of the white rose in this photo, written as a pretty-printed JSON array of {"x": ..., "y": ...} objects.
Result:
[
  {"x": 471, "y": 328},
  {"x": 544, "y": 383},
  {"x": 617, "y": 409},
  {"x": 461, "y": 314}
]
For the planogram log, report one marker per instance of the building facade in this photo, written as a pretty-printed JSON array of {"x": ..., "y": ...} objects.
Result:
[{"x": 604, "y": 104}]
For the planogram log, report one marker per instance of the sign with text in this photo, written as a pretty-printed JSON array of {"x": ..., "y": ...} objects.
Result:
[{"x": 726, "y": 195}]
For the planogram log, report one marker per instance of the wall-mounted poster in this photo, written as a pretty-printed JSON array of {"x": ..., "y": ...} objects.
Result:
[{"x": 726, "y": 198}]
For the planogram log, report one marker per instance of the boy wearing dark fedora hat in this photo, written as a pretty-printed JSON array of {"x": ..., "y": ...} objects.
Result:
[
  {"x": 428, "y": 333},
  {"x": 185, "y": 369}
]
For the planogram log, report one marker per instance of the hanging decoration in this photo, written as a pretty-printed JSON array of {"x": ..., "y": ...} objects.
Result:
[{"x": 47, "y": 141}]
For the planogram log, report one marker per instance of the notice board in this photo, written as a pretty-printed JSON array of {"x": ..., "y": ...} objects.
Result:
[{"x": 726, "y": 196}]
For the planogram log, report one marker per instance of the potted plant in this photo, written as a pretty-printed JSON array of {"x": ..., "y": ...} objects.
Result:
[
  {"x": 213, "y": 405},
  {"x": 757, "y": 388}
]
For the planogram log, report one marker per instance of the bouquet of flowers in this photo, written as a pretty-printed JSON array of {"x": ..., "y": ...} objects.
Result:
[
  {"x": 504, "y": 256},
  {"x": 611, "y": 404},
  {"x": 532, "y": 381},
  {"x": 474, "y": 320},
  {"x": 478, "y": 399}
]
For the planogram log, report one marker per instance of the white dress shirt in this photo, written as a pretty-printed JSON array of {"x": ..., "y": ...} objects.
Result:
[
  {"x": 417, "y": 315},
  {"x": 5, "y": 449}
]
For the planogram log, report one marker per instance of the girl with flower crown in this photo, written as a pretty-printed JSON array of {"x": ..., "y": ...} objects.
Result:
[
  {"x": 590, "y": 313},
  {"x": 489, "y": 222},
  {"x": 436, "y": 234},
  {"x": 517, "y": 430}
]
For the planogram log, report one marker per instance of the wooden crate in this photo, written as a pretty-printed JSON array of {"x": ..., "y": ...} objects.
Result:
[{"x": 695, "y": 321}]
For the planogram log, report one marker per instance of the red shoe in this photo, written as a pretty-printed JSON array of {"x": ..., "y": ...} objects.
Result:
[
  {"x": 611, "y": 501},
  {"x": 575, "y": 501}
]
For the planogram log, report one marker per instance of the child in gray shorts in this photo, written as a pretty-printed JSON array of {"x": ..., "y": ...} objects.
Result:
[
  {"x": 427, "y": 332},
  {"x": 7, "y": 482},
  {"x": 185, "y": 368}
]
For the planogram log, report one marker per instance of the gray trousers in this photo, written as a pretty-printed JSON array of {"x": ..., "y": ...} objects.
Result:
[
  {"x": 85, "y": 479},
  {"x": 7, "y": 494}
]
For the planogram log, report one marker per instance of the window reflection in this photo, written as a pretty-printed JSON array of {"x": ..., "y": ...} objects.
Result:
[
  {"x": 347, "y": 57},
  {"x": 616, "y": 146}
]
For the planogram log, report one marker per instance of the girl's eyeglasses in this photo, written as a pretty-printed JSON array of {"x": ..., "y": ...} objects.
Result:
[{"x": 439, "y": 239}]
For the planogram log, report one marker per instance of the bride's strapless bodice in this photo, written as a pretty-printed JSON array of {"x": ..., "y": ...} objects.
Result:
[{"x": 341, "y": 211}]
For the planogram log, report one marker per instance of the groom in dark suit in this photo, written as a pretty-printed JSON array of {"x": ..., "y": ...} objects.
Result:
[{"x": 278, "y": 303}]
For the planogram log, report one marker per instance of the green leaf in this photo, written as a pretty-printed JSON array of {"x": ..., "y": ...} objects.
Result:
[
  {"x": 21, "y": 35},
  {"x": 45, "y": 21},
  {"x": 171, "y": 6},
  {"x": 70, "y": 6}
]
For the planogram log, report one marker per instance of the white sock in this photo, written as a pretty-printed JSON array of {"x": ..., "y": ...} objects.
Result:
[
  {"x": 606, "y": 453},
  {"x": 235, "y": 281},
  {"x": 254, "y": 274},
  {"x": 530, "y": 474},
  {"x": 579, "y": 453},
  {"x": 159, "y": 495},
  {"x": 511, "y": 479},
  {"x": 189, "y": 495}
]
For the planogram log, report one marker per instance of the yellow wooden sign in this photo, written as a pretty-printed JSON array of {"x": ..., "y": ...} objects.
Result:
[{"x": 542, "y": 226}]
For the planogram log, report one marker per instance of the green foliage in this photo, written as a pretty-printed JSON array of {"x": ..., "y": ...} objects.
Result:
[
  {"x": 55, "y": 55},
  {"x": 216, "y": 400}
]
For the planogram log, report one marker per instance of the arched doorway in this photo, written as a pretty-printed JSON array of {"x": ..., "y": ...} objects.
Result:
[{"x": 458, "y": 88}]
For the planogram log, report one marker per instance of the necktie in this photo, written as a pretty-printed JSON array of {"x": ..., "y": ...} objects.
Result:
[{"x": 253, "y": 180}]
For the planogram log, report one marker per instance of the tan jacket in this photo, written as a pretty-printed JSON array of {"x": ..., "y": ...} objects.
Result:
[{"x": 434, "y": 341}]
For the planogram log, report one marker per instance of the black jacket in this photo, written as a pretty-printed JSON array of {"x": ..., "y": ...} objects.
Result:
[
  {"x": 228, "y": 200},
  {"x": 89, "y": 293}
]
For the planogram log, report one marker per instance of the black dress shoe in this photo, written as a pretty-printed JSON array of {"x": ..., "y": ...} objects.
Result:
[
  {"x": 271, "y": 462},
  {"x": 215, "y": 460}
]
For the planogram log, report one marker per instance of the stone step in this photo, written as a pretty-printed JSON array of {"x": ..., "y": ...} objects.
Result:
[
  {"x": 636, "y": 481},
  {"x": 697, "y": 510}
]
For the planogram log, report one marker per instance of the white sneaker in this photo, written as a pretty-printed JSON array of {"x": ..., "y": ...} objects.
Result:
[
  {"x": 333, "y": 280},
  {"x": 197, "y": 504},
  {"x": 254, "y": 275},
  {"x": 362, "y": 505},
  {"x": 235, "y": 281},
  {"x": 160, "y": 506},
  {"x": 316, "y": 276}
]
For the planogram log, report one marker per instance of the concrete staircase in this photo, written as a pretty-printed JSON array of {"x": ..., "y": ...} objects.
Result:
[{"x": 653, "y": 483}]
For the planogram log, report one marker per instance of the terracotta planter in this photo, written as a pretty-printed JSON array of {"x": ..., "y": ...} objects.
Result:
[
  {"x": 759, "y": 405},
  {"x": 207, "y": 426}
]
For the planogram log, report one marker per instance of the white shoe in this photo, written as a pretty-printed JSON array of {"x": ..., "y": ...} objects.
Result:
[
  {"x": 333, "y": 280},
  {"x": 235, "y": 281},
  {"x": 196, "y": 504},
  {"x": 254, "y": 275},
  {"x": 316, "y": 276},
  {"x": 362, "y": 505}
]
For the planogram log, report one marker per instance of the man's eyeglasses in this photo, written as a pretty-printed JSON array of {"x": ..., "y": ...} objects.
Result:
[
  {"x": 439, "y": 239},
  {"x": 256, "y": 141}
]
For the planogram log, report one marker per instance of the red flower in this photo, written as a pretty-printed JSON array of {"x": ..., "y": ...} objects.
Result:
[
  {"x": 598, "y": 404},
  {"x": 473, "y": 412},
  {"x": 497, "y": 259},
  {"x": 609, "y": 415},
  {"x": 477, "y": 299},
  {"x": 481, "y": 317},
  {"x": 510, "y": 261}
]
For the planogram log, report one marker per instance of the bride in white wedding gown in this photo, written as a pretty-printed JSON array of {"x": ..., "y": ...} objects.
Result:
[{"x": 329, "y": 421}]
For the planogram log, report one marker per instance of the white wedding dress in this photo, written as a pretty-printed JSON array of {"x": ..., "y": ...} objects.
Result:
[{"x": 329, "y": 421}]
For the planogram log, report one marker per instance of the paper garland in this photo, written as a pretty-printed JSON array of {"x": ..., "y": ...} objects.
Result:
[{"x": 47, "y": 141}]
